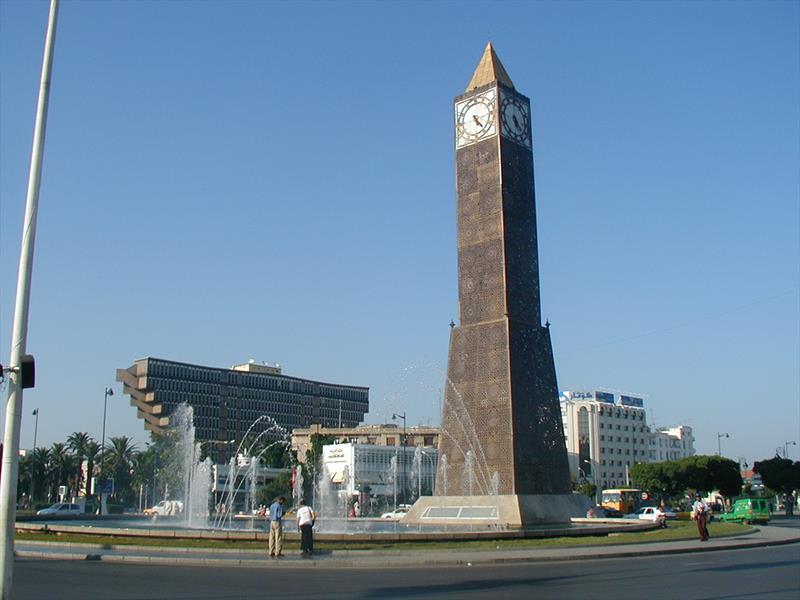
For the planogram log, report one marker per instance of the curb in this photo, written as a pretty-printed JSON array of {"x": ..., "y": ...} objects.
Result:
[{"x": 393, "y": 561}]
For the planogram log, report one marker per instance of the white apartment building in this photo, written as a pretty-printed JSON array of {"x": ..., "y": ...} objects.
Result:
[{"x": 671, "y": 443}]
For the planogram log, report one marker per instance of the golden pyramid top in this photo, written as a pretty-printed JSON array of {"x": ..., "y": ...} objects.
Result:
[{"x": 489, "y": 69}]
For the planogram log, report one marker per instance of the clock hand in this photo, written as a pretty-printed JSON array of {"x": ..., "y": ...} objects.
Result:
[
  {"x": 516, "y": 123},
  {"x": 477, "y": 121}
]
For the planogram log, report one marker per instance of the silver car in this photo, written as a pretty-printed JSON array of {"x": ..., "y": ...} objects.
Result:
[{"x": 62, "y": 508}]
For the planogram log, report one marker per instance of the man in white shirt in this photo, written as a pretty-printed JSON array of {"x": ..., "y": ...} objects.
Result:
[
  {"x": 305, "y": 521},
  {"x": 700, "y": 513}
]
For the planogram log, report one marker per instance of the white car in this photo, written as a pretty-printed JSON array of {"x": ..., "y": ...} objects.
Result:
[
  {"x": 648, "y": 513},
  {"x": 165, "y": 508},
  {"x": 398, "y": 513},
  {"x": 62, "y": 508}
]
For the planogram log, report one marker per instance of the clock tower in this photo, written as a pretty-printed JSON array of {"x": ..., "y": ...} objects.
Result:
[{"x": 502, "y": 433}]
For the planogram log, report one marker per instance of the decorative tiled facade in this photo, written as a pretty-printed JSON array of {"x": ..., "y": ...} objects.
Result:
[{"x": 501, "y": 424}]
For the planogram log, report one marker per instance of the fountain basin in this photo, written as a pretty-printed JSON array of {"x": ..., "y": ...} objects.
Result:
[{"x": 387, "y": 532}]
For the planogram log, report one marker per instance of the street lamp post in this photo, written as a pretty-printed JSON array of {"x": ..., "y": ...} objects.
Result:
[
  {"x": 719, "y": 442},
  {"x": 19, "y": 361},
  {"x": 786, "y": 448},
  {"x": 35, "y": 413},
  {"x": 396, "y": 416},
  {"x": 107, "y": 392}
]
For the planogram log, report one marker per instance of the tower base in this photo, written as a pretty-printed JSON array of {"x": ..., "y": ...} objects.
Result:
[{"x": 511, "y": 511}]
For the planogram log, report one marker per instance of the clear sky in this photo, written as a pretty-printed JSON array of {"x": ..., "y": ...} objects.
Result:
[{"x": 234, "y": 180}]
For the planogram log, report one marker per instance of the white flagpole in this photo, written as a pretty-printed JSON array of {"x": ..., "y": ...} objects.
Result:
[{"x": 8, "y": 481}]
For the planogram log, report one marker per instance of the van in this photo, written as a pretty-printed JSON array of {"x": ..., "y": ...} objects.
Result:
[{"x": 747, "y": 510}]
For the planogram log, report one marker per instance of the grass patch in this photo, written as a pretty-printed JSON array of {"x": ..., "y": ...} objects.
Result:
[{"x": 680, "y": 530}]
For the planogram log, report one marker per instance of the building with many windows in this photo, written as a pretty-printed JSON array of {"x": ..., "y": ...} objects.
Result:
[
  {"x": 389, "y": 434},
  {"x": 671, "y": 443},
  {"x": 381, "y": 471},
  {"x": 226, "y": 402},
  {"x": 606, "y": 435}
]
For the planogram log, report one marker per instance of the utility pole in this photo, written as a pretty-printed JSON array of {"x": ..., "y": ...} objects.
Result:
[{"x": 19, "y": 335}]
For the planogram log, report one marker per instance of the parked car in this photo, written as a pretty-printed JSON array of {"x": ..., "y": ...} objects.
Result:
[
  {"x": 747, "y": 510},
  {"x": 61, "y": 509},
  {"x": 165, "y": 508},
  {"x": 398, "y": 513},
  {"x": 648, "y": 513}
]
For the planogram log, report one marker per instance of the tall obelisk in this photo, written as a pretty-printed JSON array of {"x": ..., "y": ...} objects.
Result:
[{"x": 502, "y": 433}]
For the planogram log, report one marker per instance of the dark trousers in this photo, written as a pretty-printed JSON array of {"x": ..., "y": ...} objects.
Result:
[
  {"x": 702, "y": 528},
  {"x": 307, "y": 538}
]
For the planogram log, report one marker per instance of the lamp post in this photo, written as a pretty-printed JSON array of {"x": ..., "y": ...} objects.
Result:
[
  {"x": 108, "y": 392},
  {"x": 396, "y": 416},
  {"x": 786, "y": 448},
  {"x": 719, "y": 442},
  {"x": 35, "y": 413},
  {"x": 19, "y": 333}
]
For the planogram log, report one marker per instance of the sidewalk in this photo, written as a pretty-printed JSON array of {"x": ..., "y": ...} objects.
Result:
[{"x": 770, "y": 535}]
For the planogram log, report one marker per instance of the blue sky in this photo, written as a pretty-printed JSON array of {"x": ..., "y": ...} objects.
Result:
[{"x": 235, "y": 180}]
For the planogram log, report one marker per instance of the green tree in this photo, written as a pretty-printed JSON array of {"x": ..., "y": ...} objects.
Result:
[
  {"x": 91, "y": 450},
  {"x": 40, "y": 461},
  {"x": 62, "y": 467},
  {"x": 119, "y": 458},
  {"x": 663, "y": 479},
  {"x": 25, "y": 476},
  {"x": 77, "y": 442},
  {"x": 588, "y": 489},
  {"x": 313, "y": 456},
  {"x": 782, "y": 475},
  {"x": 280, "y": 486},
  {"x": 705, "y": 473}
]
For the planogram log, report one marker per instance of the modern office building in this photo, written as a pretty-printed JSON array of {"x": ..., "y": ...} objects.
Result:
[
  {"x": 226, "y": 402},
  {"x": 606, "y": 433},
  {"x": 389, "y": 434}
]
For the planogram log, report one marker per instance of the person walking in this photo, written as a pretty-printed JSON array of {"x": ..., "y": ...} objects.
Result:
[
  {"x": 700, "y": 512},
  {"x": 305, "y": 522},
  {"x": 276, "y": 527}
]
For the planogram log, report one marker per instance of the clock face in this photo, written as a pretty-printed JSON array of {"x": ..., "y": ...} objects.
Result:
[
  {"x": 515, "y": 118},
  {"x": 476, "y": 118}
]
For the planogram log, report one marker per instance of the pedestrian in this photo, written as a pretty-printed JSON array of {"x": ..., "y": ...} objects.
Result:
[
  {"x": 276, "y": 527},
  {"x": 357, "y": 508},
  {"x": 661, "y": 517},
  {"x": 700, "y": 512},
  {"x": 305, "y": 522}
]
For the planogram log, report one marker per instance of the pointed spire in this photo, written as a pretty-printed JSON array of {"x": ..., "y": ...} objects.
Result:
[{"x": 489, "y": 69}]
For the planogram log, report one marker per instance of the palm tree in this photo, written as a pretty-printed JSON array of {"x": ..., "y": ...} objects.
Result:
[
  {"x": 77, "y": 443},
  {"x": 62, "y": 464},
  {"x": 40, "y": 459},
  {"x": 119, "y": 457},
  {"x": 25, "y": 477},
  {"x": 91, "y": 451}
]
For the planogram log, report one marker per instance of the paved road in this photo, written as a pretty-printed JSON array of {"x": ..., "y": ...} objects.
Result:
[{"x": 756, "y": 573}]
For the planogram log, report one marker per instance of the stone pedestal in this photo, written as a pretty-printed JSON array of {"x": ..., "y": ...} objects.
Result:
[{"x": 509, "y": 511}]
